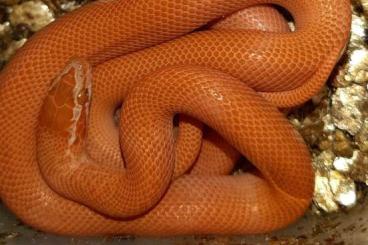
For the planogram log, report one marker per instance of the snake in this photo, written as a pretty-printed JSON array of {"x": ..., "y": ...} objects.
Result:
[{"x": 88, "y": 109}]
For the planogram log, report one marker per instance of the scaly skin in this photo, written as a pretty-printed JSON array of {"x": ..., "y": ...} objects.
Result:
[{"x": 54, "y": 184}]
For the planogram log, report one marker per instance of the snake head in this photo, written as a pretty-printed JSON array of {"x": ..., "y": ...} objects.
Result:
[{"x": 65, "y": 108}]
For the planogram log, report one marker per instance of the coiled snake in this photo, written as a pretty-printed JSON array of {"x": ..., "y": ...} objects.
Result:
[{"x": 62, "y": 169}]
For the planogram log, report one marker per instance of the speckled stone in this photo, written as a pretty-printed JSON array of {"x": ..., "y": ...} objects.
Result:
[
  {"x": 34, "y": 14},
  {"x": 342, "y": 145},
  {"x": 361, "y": 137}
]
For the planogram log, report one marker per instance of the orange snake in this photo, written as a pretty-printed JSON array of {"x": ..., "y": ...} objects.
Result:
[{"x": 57, "y": 181}]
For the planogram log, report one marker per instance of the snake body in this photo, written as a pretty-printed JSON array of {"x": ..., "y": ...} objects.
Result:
[{"x": 62, "y": 169}]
